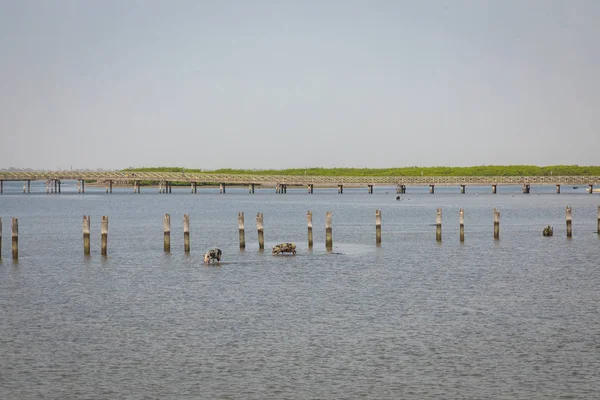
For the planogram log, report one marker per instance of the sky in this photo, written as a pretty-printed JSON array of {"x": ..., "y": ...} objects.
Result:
[{"x": 293, "y": 84}]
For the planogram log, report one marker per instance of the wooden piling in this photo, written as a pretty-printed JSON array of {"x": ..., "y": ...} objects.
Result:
[
  {"x": 494, "y": 189},
  {"x": 167, "y": 233},
  {"x": 598, "y": 221},
  {"x": 222, "y": 188},
  {"x": 463, "y": 189},
  {"x": 1, "y": 235},
  {"x": 461, "y": 222},
  {"x": 186, "y": 233},
  {"x": 438, "y": 225},
  {"x": 86, "y": 235},
  {"x": 496, "y": 224},
  {"x": 378, "y": 227},
  {"x": 104, "y": 234},
  {"x": 557, "y": 189},
  {"x": 15, "y": 238},
  {"x": 241, "y": 232},
  {"x": 310, "y": 232},
  {"x": 261, "y": 234},
  {"x": 340, "y": 189},
  {"x": 569, "y": 220},
  {"x": 328, "y": 232}
]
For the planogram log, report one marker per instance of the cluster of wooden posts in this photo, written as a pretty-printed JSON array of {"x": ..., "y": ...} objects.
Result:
[{"x": 260, "y": 229}]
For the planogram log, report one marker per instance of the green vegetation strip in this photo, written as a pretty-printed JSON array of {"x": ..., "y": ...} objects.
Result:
[{"x": 485, "y": 170}]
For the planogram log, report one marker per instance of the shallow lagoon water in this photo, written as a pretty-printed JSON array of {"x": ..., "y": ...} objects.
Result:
[{"x": 514, "y": 318}]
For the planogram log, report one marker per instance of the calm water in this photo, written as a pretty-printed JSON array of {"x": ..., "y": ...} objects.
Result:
[{"x": 507, "y": 319}]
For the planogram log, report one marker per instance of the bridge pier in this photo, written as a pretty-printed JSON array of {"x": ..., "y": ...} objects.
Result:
[
  {"x": 557, "y": 189},
  {"x": 401, "y": 189},
  {"x": 340, "y": 189},
  {"x": 463, "y": 189},
  {"x": 137, "y": 187},
  {"x": 370, "y": 189},
  {"x": 591, "y": 189},
  {"x": 251, "y": 188},
  {"x": 494, "y": 189},
  {"x": 526, "y": 188},
  {"x": 311, "y": 188},
  {"x": 29, "y": 186},
  {"x": 82, "y": 185},
  {"x": 222, "y": 188},
  {"x": 431, "y": 189},
  {"x": 109, "y": 185}
]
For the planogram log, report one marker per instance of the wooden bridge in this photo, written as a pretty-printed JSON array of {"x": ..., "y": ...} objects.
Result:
[{"x": 54, "y": 179}]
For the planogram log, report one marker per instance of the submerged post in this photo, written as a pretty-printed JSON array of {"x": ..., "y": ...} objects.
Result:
[
  {"x": 328, "y": 233},
  {"x": 557, "y": 188},
  {"x": 186, "y": 233},
  {"x": 598, "y": 221},
  {"x": 15, "y": 238},
  {"x": 261, "y": 234},
  {"x": 242, "y": 234},
  {"x": 167, "y": 233},
  {"x": 104, "y": 234},
  {"x": 496, "y": 224},
  {"x": 461, "y": 222},
  {"x": 1, "y": 234},
  {"x": 438, "y": 225},
  {"x": 494, "y": 189},
  {"x": 310, "y": 233},
  {"x": 431, "y": 189},
  {"x": 569, "y": 220},
  {"x": 463, "y": 189},
  {"x": 378, "y": 227},
  {"x": 86, "y": 235}
]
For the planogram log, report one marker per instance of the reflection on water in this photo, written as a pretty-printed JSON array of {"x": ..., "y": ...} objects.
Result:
[{"x": 514, "y": 318}]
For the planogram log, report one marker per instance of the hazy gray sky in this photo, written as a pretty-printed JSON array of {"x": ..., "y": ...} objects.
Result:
[{"x": 278, "y": 84}]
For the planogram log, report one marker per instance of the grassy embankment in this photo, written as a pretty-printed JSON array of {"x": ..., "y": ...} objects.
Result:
[{"x": 484, "y": 170}]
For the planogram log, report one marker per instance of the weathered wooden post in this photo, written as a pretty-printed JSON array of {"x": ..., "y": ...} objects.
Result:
[
  {"x": 167, "y": 234},
  {"x": 15, "y": 238},
  {"x": 242, "y": 235},
  {"x": 340, "y": 189},
  {"x": 261, "y": 234},
  {"x": 310, "y": 233},
  {"x": 569, "y": 220},
  {"x": 1, "y": 235},
  {"x": 461, "y": 222},
  {"x": 86, "y": 235},
  {"x": 104, "y": 234},
  {"x": 431, "y": 189},
  {"x": 378, "y": 227},
  {"x": 222, "y": 188},
  {"x": 557, "y": 188},
  {"x": 186, "y": 233},
  {"x": 463, "y": 189},
  {"x": 496, "y": 224},
  {"x": 328, "y": 233},
  {"x": 438, "y": 225},
  {"x": 598, "y": 221},
  {"x": 83, "y": 186}
]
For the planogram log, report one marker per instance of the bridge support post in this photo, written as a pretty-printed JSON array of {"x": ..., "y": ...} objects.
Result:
[
  {"x": 104, "y": 236},
  {"x": 29, "y": 186},
  {"x": 370, "y": 189},
  {"x": 431, "y": 189},
  {"x": 378, "y": 227},
  {"x": 496, "y": 224},
  {"x": 569, "y": 220},
  {"x": 494, "y": 189},
  {"x": 1, "y": 187},
  {"x": 251, "y": 188},
  {"x": 167, "y": 233},
  {"x": 222, "y": 188},
  {"x": 598, "y": 230},
  {"x": 328, "y": 232},
  {"x": 557, "y": 189},
  {"x": 82, "y": 186},
  {"x": 526, "y": 188},
  {"x": 86, "y": 235},
  {"x": 461, "y": 222},
  {"x": 59, "y": 184},
  {"x": 241, "y": 232},
  {"x": 463, "y": 189},
  {"x": 591, "y": 189},
  {"x": 310, "y": 233},
  {"x": 340, "y": 189},
  {"x": 438, "y": 225},
  {"x": 260, "y": 229},
  {"x": 170, "y": 186},
  {"x": 110, "y": 184},
  {"x": 311, "y": 188}
]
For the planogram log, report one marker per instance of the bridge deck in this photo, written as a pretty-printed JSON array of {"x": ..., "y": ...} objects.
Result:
[{"x": 299, "y": 179}]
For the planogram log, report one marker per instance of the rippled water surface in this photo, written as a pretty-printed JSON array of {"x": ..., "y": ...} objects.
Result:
[{"x": 513, "y": 318}]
